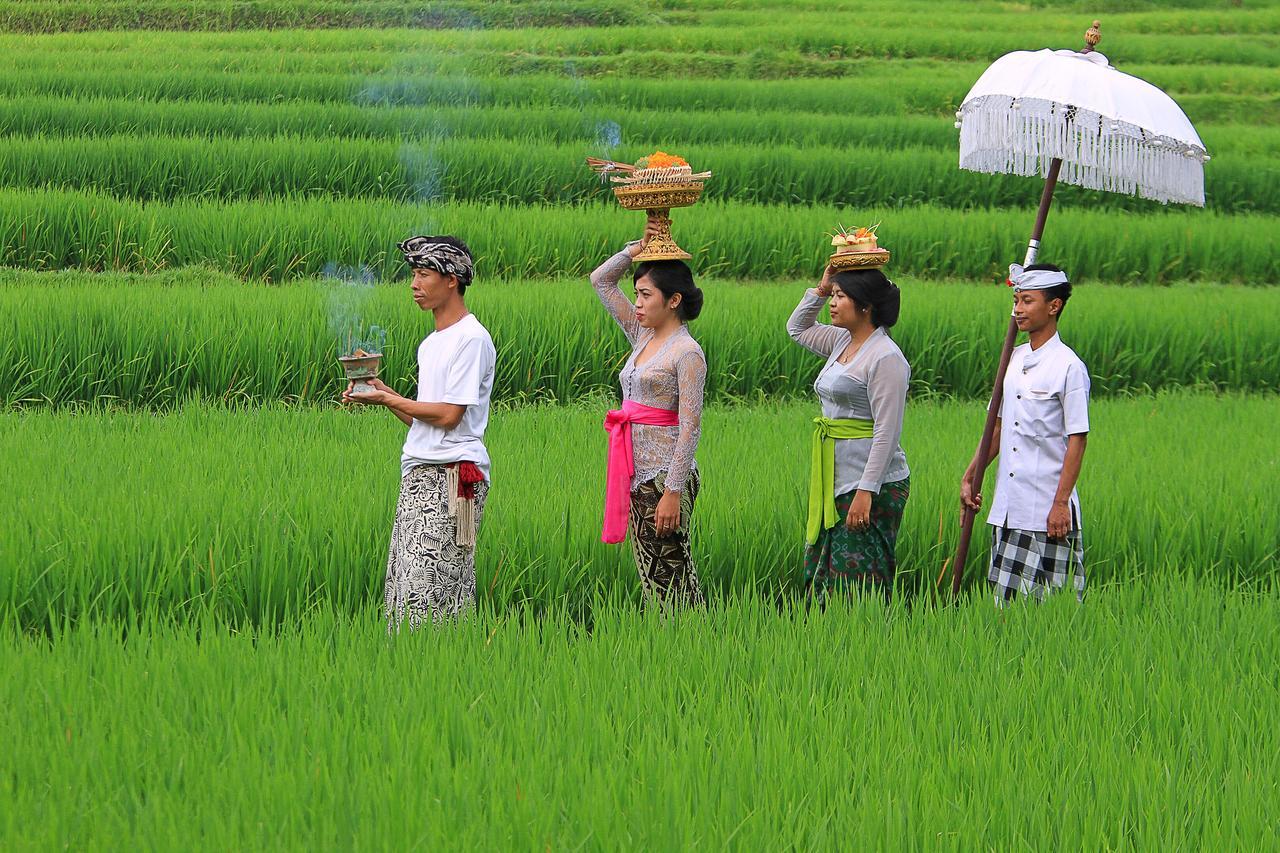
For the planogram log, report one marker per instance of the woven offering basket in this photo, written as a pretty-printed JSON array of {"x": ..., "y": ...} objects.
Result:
[
  {"x": 845, "y": 261},
  {"x": 669, "y": 183}
]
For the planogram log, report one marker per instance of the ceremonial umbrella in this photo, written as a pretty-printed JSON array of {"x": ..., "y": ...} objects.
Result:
[{"x": 1069, "y": 116}]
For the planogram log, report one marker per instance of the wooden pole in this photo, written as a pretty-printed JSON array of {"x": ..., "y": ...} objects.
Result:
[{"x": 997, "y": 391}]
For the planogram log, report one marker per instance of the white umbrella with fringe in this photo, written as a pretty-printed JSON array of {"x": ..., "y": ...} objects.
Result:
[{"x": 1069, "y": 116}]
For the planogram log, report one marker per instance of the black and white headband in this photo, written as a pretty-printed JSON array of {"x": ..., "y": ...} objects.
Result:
[{"x": 428, "y": 253}]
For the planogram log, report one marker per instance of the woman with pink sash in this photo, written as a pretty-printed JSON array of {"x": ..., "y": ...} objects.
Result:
[{"x": 652, "y": 480}]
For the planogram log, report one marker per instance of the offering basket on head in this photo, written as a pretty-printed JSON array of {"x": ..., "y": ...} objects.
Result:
[
  {"x": 857, "y": 250},
  {"x": 655, "y": 184}
]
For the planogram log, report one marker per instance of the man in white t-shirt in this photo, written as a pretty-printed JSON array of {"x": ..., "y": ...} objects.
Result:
[
  {"x": 444, "y": 466},
  {"x": 1040, "y": 438}
]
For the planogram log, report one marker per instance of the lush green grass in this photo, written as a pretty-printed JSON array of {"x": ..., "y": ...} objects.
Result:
[
  {"x": 189, "y": 583},
  {"x": 156, "y": 340},
  {"x": 254, "y": 516},
  {"x": 879, "y": 89},
  {"x": 920, "y": 31},
  {"x": 406, "y": 52},
  {"x": 1146, "y": 719},
  {"x": 73, "y": 16},
  {"x": 284, "y": 238},
  {"x": 444, "y": 169},
  {"x": 605, "y": 127}
]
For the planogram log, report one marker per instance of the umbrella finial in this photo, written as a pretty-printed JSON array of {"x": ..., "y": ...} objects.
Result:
[{"x": 1091, "y": 37}]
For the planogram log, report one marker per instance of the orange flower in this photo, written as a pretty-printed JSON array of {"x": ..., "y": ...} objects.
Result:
[{"x": 663, "y": 160}]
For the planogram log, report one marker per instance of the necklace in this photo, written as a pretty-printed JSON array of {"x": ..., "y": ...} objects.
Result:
[{"x": 848, "y": 354}]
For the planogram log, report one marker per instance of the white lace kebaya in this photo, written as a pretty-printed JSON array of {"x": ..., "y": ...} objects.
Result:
[{"x": 672, "y": 378}]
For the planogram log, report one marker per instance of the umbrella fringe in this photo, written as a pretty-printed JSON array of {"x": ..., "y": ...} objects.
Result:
[{"x": 1001, "y": 135}]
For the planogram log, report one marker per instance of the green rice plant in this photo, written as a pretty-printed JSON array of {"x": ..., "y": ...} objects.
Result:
[
  {"x": 619, "y": 58},
  {"x": 285, "y": 238},
  {"x": 361, "y": 64},
  {"x": 23, "y": 115},
  {"x": 605, "y": 127},
  {"x": 737, "y": 726},
  {"x": 61, "y": 16},
  {"x": 167, "y": 168},
  {"x": 155, "y": 341},
  {"x": 257, "y": 515},
  {"x": 1049, "y": 17},
  {"x": 881, "y": 89},
  {"x": 387, "y": 57},
  {"x": 888, "y": 33}
]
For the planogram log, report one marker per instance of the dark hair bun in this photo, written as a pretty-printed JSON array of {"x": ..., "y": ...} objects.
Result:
[
  {"x": 871, "y": 289},
  {"x": 691, "y": 304}
]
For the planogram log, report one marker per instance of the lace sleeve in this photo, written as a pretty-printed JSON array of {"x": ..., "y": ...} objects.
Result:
[
  {"x": 804, "y": 328},
  {"x": 887, "y": 393},
  {"x": 605, "y": 280},
  {"x": 691, "y": 376}
]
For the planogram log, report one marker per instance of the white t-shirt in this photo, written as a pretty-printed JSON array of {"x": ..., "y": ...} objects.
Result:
[
  {"x": 1046, "y": 399},
  {"x": 456, "y": 366}
]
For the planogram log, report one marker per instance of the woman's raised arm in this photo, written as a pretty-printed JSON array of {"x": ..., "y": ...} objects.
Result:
[{"x": 803, "y": 326}]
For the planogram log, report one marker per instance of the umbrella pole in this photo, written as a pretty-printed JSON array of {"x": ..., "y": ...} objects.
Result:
[{"x": 997, "y": 391}]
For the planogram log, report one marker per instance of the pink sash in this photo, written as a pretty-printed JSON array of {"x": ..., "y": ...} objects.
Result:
[{"x": 621, "y": 465}]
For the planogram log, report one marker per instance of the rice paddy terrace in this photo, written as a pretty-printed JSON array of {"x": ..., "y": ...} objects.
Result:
[{"x": 196, "y": 197}]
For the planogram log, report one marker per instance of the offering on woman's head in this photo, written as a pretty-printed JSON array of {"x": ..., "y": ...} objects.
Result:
[
  {"x": 656, "y": 184},
  {"x": 857, "y": 249}
]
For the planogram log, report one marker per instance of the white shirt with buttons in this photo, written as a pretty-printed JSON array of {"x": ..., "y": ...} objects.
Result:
[{"x": 1046, "y": 399}]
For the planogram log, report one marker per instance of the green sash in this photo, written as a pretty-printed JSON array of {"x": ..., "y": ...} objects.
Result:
[{"x": 822, "y": 470}]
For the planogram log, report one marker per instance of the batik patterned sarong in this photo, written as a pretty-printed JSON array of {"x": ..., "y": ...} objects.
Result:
[
  {"x": 430, "y": 577},
  {"x": 665, "y": 563}
]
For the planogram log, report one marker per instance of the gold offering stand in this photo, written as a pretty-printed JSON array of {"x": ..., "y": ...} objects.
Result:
[
  {"x": 845, "y": 261},
  {"x": 655, "y": 191}
]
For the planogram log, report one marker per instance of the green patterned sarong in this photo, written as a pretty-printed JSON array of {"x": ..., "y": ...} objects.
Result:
[{"x": 844, "y": 559}]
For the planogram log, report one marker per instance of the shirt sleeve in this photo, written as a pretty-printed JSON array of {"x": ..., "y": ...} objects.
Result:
[
  {"x": 691, "y": 377},
  {"x": 1075, "y": 400},
  {"x": 804, "y": 328},
  {"x": 887, "y": 383},
  {"x": 467, "y": 370},
  {"x": 605, "y": 280}
]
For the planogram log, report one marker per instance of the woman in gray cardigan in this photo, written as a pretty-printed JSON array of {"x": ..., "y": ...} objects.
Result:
[{"x": 860, "y": 481}]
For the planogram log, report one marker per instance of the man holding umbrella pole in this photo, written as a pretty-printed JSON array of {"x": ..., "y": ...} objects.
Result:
[
  {"x": 1068, "y": 116},
  {"x": 1040, "y": 433}
]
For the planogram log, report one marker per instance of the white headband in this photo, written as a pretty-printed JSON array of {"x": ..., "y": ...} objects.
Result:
[{"x": 1021, "y": 279}]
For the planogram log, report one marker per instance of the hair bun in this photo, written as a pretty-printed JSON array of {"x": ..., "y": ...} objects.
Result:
[
  {"x": 691, "y": 304},
  {"x": 888, "y": 305}
]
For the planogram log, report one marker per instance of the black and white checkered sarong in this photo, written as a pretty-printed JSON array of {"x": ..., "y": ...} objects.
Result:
[{"x": 1028, "y": 562}]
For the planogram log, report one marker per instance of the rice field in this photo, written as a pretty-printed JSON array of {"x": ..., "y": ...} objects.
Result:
[
  {"x": 157, "y": 340},
  {"x": 279, "y": 239},
  {"x": 1142, "y": 721},
  {"x": 165, "y": 169},
  {"x": 198, "y": 199},
  {"x": 254, "y": 515},
  {"x": 378, "y": 131}
]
